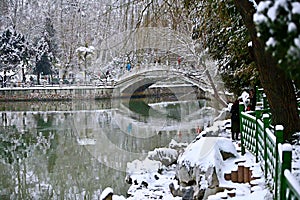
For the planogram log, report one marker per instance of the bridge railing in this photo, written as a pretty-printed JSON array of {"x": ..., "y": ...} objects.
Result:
[
  {"x": 265, "y": 142},
  {"x": 136, "y": 70}
]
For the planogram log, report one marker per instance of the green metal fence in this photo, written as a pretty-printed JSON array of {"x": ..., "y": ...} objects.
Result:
[
  {"x": 290, "y": 186},
  {"x": 264, "y": 141}
]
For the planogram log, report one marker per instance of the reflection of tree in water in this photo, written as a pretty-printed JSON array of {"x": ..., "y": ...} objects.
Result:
[
  {"x": 16, "y": 147},
  {"x": 44, "y": 160}
]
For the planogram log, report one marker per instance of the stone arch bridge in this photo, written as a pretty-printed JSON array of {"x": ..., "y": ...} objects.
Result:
[{"x": 139, "y": 79}]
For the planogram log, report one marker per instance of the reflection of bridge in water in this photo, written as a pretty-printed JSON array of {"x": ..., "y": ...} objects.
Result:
[
  {"x": 167, "y": 117},
  {"x": 119, "y": 135},
  {"x": 130, "y": 136}
]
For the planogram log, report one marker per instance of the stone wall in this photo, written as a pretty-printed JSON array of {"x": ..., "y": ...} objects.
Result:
[{"x": 55, "y": 93}]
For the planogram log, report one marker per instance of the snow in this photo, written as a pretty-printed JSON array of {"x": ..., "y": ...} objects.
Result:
[
  {"x": 86, "y": 141},
  {"x": 260, "y": 194},
  {"x": 292, "y": 180},
  {"x": 254, "y": 3},
  {"x": 106, "y": 192},
  {"x": 272, "y": 12},
  {"x": 250, "y": 44},
  {"x": 297, "y": 42},
  {"x": 292, "y": 27},
  {"x": 279, "y": 128},
  {"x": 90, "y": 49},
  {"x": 205, "y": 149},
  {"x": 296, "y": 8},
  {"x": 146, "y": 165},
  {"x": 286, "y": 147},
  {"x": 263, "y": 5},
  {"x": 271, "y": 42},
  {"x": 165, "y": 155},
  {"x": 174, "y": 144}
]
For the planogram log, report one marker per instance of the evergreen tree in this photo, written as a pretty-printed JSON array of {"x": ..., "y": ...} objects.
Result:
[
  {"x": 43, "y": 58},
  {"x": 51, "y": 40},
  {"x": 15, "y": 52},
  {"x": 220, "y": 29},
  {"x": 43, "y": 66},
  {"x": 46, "y": 51}
]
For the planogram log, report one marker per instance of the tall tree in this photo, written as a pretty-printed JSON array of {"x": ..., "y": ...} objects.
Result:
[
  {"x": 15, "y": 51},
  {"x": 277, "y": 23},
  {"x": 277, "y": 85},
  {"x": 218, "y": 28},
  {"x": 43, "y": 66}
]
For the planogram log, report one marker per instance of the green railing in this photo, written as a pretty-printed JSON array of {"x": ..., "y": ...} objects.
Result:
[
  {"x": 265, "y": 142},
  {"x": 258, "y": 138},
  {"x": 288, "y": 186}
]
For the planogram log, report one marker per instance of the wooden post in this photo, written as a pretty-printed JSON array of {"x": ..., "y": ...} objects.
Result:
[
  {"x": 266, "y": 125},
  {"x": 234, "y": 176},
  {"x": 246, "y": 174},
  {"x": 227, "y": 176},
  {"x": 242, "y": 109},
  {"x": 240, "y": 173}
]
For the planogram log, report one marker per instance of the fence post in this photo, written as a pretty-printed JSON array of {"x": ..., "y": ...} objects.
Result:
[
  {"x": 265, "y": 101},
  {"x": 241, "y": 109},
  {"x": 266, "y": 125},
  {"x": 258, "y": 113},
  {"x": 258, "y": 94},
  {"x": 286, "y": 164},
  {"x": 279, "y": 139}
]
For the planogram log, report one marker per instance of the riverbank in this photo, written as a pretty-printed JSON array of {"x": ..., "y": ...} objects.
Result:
[
  {"x": 196, "y": 170},
  {"x": 162, "y": 174},
  {"x": 210, "y": 167},
  {"x": 55, "y": 93},
  {"x": 92, "y": 92}
]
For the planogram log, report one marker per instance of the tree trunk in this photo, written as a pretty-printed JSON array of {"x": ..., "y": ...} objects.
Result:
[
  {"x": 278, "y": 88},
  {"x": 216, "y": 94}
]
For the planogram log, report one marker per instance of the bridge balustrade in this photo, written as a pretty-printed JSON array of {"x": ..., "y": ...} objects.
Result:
[{"x": 146, "y": 68}]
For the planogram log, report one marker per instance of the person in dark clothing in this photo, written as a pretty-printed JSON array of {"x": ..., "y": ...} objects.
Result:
[
  {"x": 235, "y": 120},
  {"x": 252, "y": 97}
]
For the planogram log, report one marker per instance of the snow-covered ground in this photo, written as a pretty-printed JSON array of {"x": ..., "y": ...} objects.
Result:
[{"x": 151, "y": 179}]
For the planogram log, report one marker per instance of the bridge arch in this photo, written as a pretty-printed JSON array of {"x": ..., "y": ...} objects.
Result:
[{"x": 139, "y": 80}]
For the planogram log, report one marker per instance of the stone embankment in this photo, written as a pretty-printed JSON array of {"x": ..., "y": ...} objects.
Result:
[{"x": 55, "y": 93}]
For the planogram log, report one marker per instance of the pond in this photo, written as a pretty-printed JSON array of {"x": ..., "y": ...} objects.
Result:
[{"x": 75, "y": 149}]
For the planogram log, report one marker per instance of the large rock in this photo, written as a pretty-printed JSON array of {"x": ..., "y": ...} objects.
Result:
[
  {"x": 166, "y": 156},
  {"x": 201, "y": 163}
]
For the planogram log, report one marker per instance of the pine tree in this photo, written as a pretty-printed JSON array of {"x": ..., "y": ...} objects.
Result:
[{"x": 15, "y": 52}]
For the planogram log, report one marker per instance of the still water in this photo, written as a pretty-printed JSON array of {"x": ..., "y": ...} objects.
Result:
[{"x": 75, "y": 149}]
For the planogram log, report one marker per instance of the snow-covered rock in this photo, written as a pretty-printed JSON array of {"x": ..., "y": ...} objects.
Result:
[
  {"x": 179, "y": 147},
  {"x": 165, "y": 155},
  {"x": 201, "y": 163},
  {"x": 217, "y": 129},
  {"x": 144, "y": 166}
]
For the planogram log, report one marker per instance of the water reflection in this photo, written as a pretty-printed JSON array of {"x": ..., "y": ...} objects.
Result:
[{"x": 73, "y": 150}]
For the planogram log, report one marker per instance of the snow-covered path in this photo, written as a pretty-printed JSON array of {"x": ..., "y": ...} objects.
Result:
[{"x": 150, "y": 179}]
